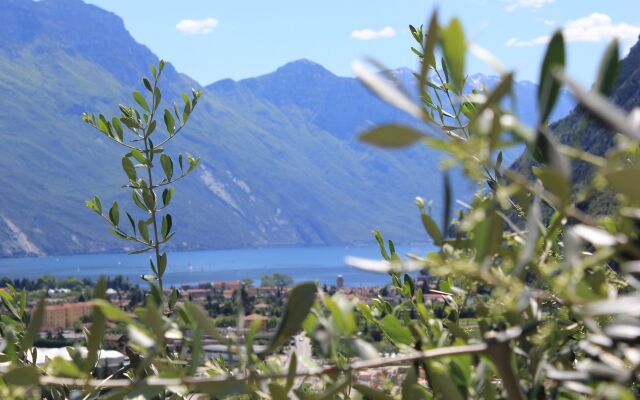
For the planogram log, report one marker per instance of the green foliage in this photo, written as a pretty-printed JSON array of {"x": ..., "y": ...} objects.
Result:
[
  {"x": 153, "y": 230},
  {"x": 533, "y": 284},
  {"x": 549, "y": 304},
  {"x": 277, "y": 279}
]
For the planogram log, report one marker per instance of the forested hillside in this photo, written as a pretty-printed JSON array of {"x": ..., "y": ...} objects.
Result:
[{"x": 577, "y": 129}]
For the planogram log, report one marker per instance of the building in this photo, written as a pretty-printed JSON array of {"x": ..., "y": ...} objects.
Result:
[
  {"x": 339, "y": 282},
  {"x": 55, "y": 317},
  {"x": 62, "y": 316},
  {"x": 249, "y": 319},
  {"x": 197, "y": 294},
  {"x": 222, "y": 286}
]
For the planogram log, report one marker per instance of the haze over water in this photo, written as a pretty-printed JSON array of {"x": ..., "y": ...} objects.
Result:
[{"x": 301, "y": 263}]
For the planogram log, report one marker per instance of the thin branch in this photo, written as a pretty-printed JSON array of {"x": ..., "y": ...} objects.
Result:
[{"x": 193, "y": 380}]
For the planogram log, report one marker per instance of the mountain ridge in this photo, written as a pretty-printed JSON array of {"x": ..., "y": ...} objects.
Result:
[
  {"x": 577, "y": 129},
  {"x": 280, "y": 161}
]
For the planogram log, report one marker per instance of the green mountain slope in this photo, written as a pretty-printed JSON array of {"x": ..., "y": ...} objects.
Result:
[
  {"x": 578, "y": 130},
  {"x": 281, "y": 165}
]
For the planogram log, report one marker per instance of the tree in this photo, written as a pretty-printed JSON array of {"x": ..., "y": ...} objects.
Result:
[{"x": 276, "y": 279}]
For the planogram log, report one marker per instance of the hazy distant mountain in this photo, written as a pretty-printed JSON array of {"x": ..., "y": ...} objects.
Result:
[{"x": 281, "y": 165}]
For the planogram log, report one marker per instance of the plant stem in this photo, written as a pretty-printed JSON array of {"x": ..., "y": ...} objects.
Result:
[
  {"x": 149, "y": 154},
  {"x": 154, "y": 220}
]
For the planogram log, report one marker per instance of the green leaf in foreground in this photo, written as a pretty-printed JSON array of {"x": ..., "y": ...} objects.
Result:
[
  {"x": 301, "y": 299},
  {"x": 454, "y": 49},
  {"x": 222, "y": 388},
  {"x": 391, "y": 136},
  {"x": 129, "y": 168},
  {"x": 22, "y": 376},
  {"x": 609, "y": 68},
  {"x": 34, "y": 325},
  {"x": 397, "y": 332},
  {"x": 371, "y": 393},
  {"x": 139, "y": 98},
  {"x": 549, "y": 88},
  {"x": 432, "y": 228}
]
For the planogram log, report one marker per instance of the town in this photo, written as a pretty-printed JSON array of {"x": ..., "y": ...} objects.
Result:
[{"x": 233, "y": 305}]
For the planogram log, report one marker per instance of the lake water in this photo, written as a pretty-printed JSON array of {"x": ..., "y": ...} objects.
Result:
[{"x": 301, "y": 263}]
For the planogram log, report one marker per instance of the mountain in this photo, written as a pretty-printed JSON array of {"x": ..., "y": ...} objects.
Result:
[
  {"x": 280, "y": 161},
  {"x": 577, "y": 129}
]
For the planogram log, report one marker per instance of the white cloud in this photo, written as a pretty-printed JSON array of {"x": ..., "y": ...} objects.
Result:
[
  {"x": 368, "y": 34},
  {"x": 197, "y": 26},
  {"x": 596, "y": 27},
  {"x": 513, "y": 5}
]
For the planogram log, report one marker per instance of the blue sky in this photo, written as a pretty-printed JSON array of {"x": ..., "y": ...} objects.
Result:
[{"x": 212, "y": 39}]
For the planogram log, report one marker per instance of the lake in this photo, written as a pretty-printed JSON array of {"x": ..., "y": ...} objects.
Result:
[{"x": 320, "y": 263}]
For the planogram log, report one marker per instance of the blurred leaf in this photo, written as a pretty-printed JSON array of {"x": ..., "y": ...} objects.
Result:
[
  {"x": 596, "y": 236},
  {"x": 411, "y": 390},
  {"x": 454, "y": 49},
  {"x": 371, "y": 393},
  {"x": 383, "y": 265},
  {"x": 391, "y": 136},
  {"x": 206, "y": 323},
  {"x": 291, "y": 372},
  {"x": 488, "y": 235},
  {"x": 139, "y": 337},
  {"x": 432, "y": 228},
  {"x": 430, "y": 41},
  {"x": 196, "y": 351},
  {"x": 365, "y": 350},
  {"x": 397, "y": 332},
  {"x": 609, "y": 68},
  {"x": 620, "y": 182},
  {"x": 35, "y": 323},
  {"x": 112, "y": 312},
  {"x": 386, "y": 91},
  {"x": 278, "y": 392},
  {"x": 23, "y": 376},
  {"x": 301, "y": 298},
  {"x": 330, "y": 392},
  {"x": 441, "y": 381},
  {"x": 98, "y": 327},
  {"x": 381, "y": 245},
  {"x": 219, "y": 389},
  {"x": 556, "y": 183},
  {"x": 549, "y": 88},
  {"x": 65, "y": 368}
]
